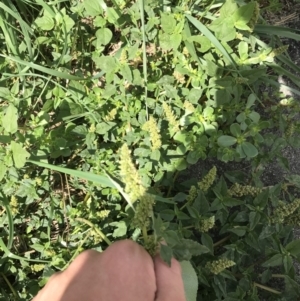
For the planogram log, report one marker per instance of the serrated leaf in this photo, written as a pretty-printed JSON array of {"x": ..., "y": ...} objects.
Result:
[
  {"x": 19, "y": 154},
  {"x": 194, "y": 247},
  {"x": 190, "y": 281},
  {"x": 226, "y": 141},
  {"x": 10, "y": 119},
  {"x": 166, "y": 254}
]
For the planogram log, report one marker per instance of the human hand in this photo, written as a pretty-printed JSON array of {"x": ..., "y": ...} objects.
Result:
[{"x": 125, "y": 271}]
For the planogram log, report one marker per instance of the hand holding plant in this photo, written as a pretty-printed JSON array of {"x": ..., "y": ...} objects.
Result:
[{"x": 125, "y": 271}]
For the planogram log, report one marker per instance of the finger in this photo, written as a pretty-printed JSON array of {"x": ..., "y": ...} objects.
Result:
[
  {"x": 131, "y": 270},
  {"x": 124, "y": 271},
  {"x": 168, "y": 280}
]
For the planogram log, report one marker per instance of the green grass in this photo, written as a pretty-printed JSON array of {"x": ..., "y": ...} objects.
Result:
[{"x": 81, "y": 79}]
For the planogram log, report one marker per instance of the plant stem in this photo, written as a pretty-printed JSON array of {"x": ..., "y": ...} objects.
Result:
[
  {"x": 266, "y": 288},
  {"x": 221, "y": 241},
  {"x": 9, "y": 285},
  {"x": 101, "y": 234},
  {"x": 174, "y": 179},
  {"x": 145, "y": 234}
]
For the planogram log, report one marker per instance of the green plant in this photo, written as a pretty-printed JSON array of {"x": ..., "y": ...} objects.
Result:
[{"x": 104, "y": 105}]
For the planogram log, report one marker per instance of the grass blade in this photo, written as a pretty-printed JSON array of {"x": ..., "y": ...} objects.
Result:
[
  {"x": 285, "y": 87},
  {"x": 10, "y": 221},
  {"x": 99, "y": 179},
  {"x": 283, "y": 32},
  {"x": 50, "y": 71},
  {"x": 203, "y": 29}
]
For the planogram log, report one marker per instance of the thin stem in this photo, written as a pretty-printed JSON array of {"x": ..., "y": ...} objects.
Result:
[
  {"x": 221, "y": 241},
  {"x": 101, "y": 234},
  {"x": 174, "y": 179},
  {"x": 145, "y": 234},
  {"x": 267, "y": 288},
  {"x": 9, "y": 285}
]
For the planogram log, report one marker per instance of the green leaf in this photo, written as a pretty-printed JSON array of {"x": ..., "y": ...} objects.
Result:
[
  {"x": 167, "y": 214},
  {"x": 228, "y": 9},
  {"x": 230, "y": 202},
  {"x": 226, "y": 141},
  {"x": 262, "y": 199},
  {"x": 45, "y": 23},
  {"x": 19, "y": 154},
  {"x": 275, "y": 260},
  {"x": 287, "y": 263},
  {"x": 171, "y": 238},
  {"x": 68, "y": 23},
  {"x": 10, "y": 119},
  {"x": 166, "y": 254},
  {"x": 243, "y": 50},
  {"x": 121, "y": 229},
  {"x": 266, "y": 276},
  {"x": 194, "y": 247},
  {"x": 244, "y": 13},
  {"x": 249, "y": 149},
  {"x": 254, "y": 218},
  {"x": 293, "y": 247},
  {"x": 3, "y": 170},
  {"x": 235, "y": 129},
  {"x": 168, "y": 22},
  {"x": 106, "y": 63},
  {"x": 203, "y": 29},
  {"x": 190, "y": 281},
  {"x": 94, "y": 7},
  {"x": 104, "y": 35},
  {"x": 208, "y": 242},
  {"x": 224, "y": 29},
  {"x": 267, "y": 232}
]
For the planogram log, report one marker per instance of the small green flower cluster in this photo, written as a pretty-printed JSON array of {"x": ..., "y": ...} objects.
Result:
[
  {"x": 279, "y": 51},
  {"x": 241, "y": 80},
  {"x": 151, "y": 245},
  {"x": 217, "y": 266},
  {"x": 284, "y": 210},
  {"x": 189, "y": 106},
  {"x": 208, "y": 180},
  {"x": 143, "y": 211},
  {"x": 111, "y": 115},
  {"x": 240, "y": 190},
  {"x": 130, "y": 175},
  {"x": 171, "y": 118},
  {"x": 14, "y": 205},
  {"x": 179, "y": 77},
  {"x": 192, "y": 194},
  {"x": 205, "y": 224},
  {"x": 151, "y": 127},
  {"x": 290, "y": 130},
  {"x": 293, "y": 219},
  {"x": 103, "y": 214},
  {"x": 35, "y": 268}
]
